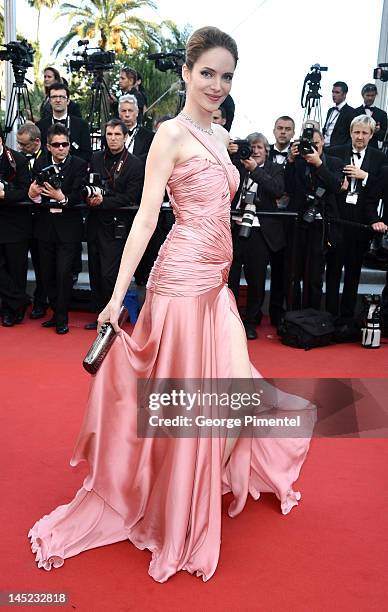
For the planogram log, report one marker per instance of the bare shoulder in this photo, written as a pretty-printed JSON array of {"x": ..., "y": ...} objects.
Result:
[
  {"x": 171, "y": 131},
  {"x": 221, "y": 134}
]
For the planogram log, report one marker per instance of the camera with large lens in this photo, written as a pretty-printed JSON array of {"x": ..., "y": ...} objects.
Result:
[
  {"x": 371, "y": 320},
  {"x": 93, "y": 187},
  {"x": 171, "y": 60},
  {"x": 381, "y": 73},
  {"x": 248, "y": 201},
  {"x": 313, "y": 205},
  {"x": 49, "y": 175},
  {"x": 3, "y": 184},
  {"x": 305, "y": 144},
  {"x": 93, "y": 59},
  {"x": 20, "y": 53},
  {"x": 244, "y": 150}
]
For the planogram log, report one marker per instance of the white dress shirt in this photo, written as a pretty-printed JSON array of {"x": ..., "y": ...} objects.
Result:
[{"x": 332, "y": 120}]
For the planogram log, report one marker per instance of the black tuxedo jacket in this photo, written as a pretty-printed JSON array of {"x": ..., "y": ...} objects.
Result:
[
  {"x": 270, "y": 181},
  {"x": 143, "y": 140},
  {"x": 126, "y": 191},
  {"x": 341, "y": 132},
  {"x": 302, "y": 179},
  {"x": 79, "y": 136},
  {"x": 365, "y": 211},
  {"x": 15, "y": 220},
  {"x": 66, "y": 226},
  {"x": 379, "y": 116}
]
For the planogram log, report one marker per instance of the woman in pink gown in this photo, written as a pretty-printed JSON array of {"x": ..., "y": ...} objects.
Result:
[{"x": 164, "y": 494}]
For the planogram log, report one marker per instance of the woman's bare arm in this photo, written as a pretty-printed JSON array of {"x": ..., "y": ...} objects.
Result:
[{"x": 160, "y": 163}]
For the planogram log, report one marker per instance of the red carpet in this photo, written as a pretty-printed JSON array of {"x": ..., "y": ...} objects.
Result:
[{"x": 330, "y": 553}]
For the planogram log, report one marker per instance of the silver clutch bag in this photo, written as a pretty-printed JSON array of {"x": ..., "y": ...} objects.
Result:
[{"x": 100, "y": 347}]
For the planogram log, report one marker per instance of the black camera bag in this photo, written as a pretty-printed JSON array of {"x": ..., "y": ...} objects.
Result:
[{"x": 307, "y": 329}]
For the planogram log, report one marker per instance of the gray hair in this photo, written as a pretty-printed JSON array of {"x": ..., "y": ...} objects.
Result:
[
  {"x": 258, "y": 137},
  {"x": 130, "y": 99},
  {"x": 31, "y": 129},
  {"x": 365, "y": 120}
]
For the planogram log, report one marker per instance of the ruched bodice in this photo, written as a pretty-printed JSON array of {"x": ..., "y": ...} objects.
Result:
[{"x": 197, "y": 253}]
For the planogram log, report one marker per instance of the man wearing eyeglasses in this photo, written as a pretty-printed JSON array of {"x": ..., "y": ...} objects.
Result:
[
  {"x": 59, "y": 226},
  {"x": 59, "y": 98}
]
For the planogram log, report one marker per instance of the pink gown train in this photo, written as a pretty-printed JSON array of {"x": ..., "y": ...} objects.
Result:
[{"x": 164, "y": 494}]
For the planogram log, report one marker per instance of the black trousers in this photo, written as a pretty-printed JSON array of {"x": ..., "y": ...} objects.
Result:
[
  {"x": 253, "y": 255},
  {"x": 56, "y": 263},
  {"x": 13, "y": 275},
  {"x": 278, "y": 284},
  {"x": 349, "y": 254},
  {"x": 305, "y": 264},
  {"x": 40, "y": 295},
  {"x": 104, "y": 255}
]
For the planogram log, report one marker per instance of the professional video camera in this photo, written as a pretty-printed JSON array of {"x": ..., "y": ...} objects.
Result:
[
  {"x": 21, "y": 56},
  {"x": 92, "y": 59},
  {"x": 310, "y": 100},
  {"x": 305, "y": 144},
  {"x": 244, "y": 150},
  {"x": 49, "y": 175},
  {"x": 381, "y": 73},
  {"x": 93, "y": 187},
  {"x": 171, "y": 60},
  {"x": 313, "y": 202}
]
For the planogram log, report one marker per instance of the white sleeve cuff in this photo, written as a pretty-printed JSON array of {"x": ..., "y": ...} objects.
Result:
[{"x": 365, "y": 180}]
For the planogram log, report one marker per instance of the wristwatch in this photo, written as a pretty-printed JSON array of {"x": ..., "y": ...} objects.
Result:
[{"x": 63, "y": 202}]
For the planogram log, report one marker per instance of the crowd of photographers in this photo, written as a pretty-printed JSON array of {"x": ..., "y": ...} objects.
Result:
[{"x": 304, "y": 206}]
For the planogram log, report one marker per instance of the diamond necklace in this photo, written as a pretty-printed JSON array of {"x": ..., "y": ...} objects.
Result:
[{"x": 195, "y": 124}]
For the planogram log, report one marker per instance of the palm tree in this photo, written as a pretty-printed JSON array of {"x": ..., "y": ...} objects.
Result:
[
  {"x": 39, "y": 5},
  {"x": 113, "y": 22}
]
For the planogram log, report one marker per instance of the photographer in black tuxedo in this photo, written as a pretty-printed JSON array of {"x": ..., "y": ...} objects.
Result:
[
  {"x": 312, "y": 180},
  {"x": 58, "y": 227},
  {"x": 263, "y": 180},
  {"x": 59, "y": 98},
  {"x": 363, "y": 165},
  {"x": 121, "y": 177},
  {"x": 138, "y": 140},
  {"x": 15, "y": 231},
  {"x": 338, "y": 118},
  {"x": 369, "y": 93},
  {"x": 29, "y": 144}
]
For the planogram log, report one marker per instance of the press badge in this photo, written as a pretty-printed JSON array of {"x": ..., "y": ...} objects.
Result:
[{"x": 352, "y": 198}]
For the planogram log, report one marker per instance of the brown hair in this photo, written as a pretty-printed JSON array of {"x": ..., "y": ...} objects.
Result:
[{"x": 205, "y": 39}]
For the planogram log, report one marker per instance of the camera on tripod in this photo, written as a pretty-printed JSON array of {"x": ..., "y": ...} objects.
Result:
[
  {"x": 49, "y": 175},
  {"x": 305, "y": 144},
  {"x": 93, "y": 187},
  {"x": 381, "y": 73},
  {"x": 313, "y": 205},
  {"x": 171, "y": 60},
  {"x": 93, "y": 59},
  {"x": 20, "y": 54}
]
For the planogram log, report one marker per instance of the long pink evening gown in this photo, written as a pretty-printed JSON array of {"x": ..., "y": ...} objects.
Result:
[{"x": 164, "y": 494}]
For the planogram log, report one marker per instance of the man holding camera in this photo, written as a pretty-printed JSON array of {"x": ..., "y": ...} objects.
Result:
[
  {"x": 29, "y": 144},
  {"x": 15, "y": 231},
  {"x": 57, "y": 188},
  {"x": 363, "y": 166},
  {"x": 121, "y": 177},
  {"x": 59, "y": 99},
  {"x": 261, "y": 184},
  {"x": 312, "y": 179}
]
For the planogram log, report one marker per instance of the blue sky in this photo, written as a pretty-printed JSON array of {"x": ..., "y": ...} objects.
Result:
[{"x": 278, "y": 41}]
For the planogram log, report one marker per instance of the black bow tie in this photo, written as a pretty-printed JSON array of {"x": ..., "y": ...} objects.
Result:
[
  {"x": 131, "y": 132},
  {"x": 282, "y": 153},
  {"x": 371, "y": 108},
  {"x": 357, "y": 154},
  {"x": 63, "y": 121}
]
